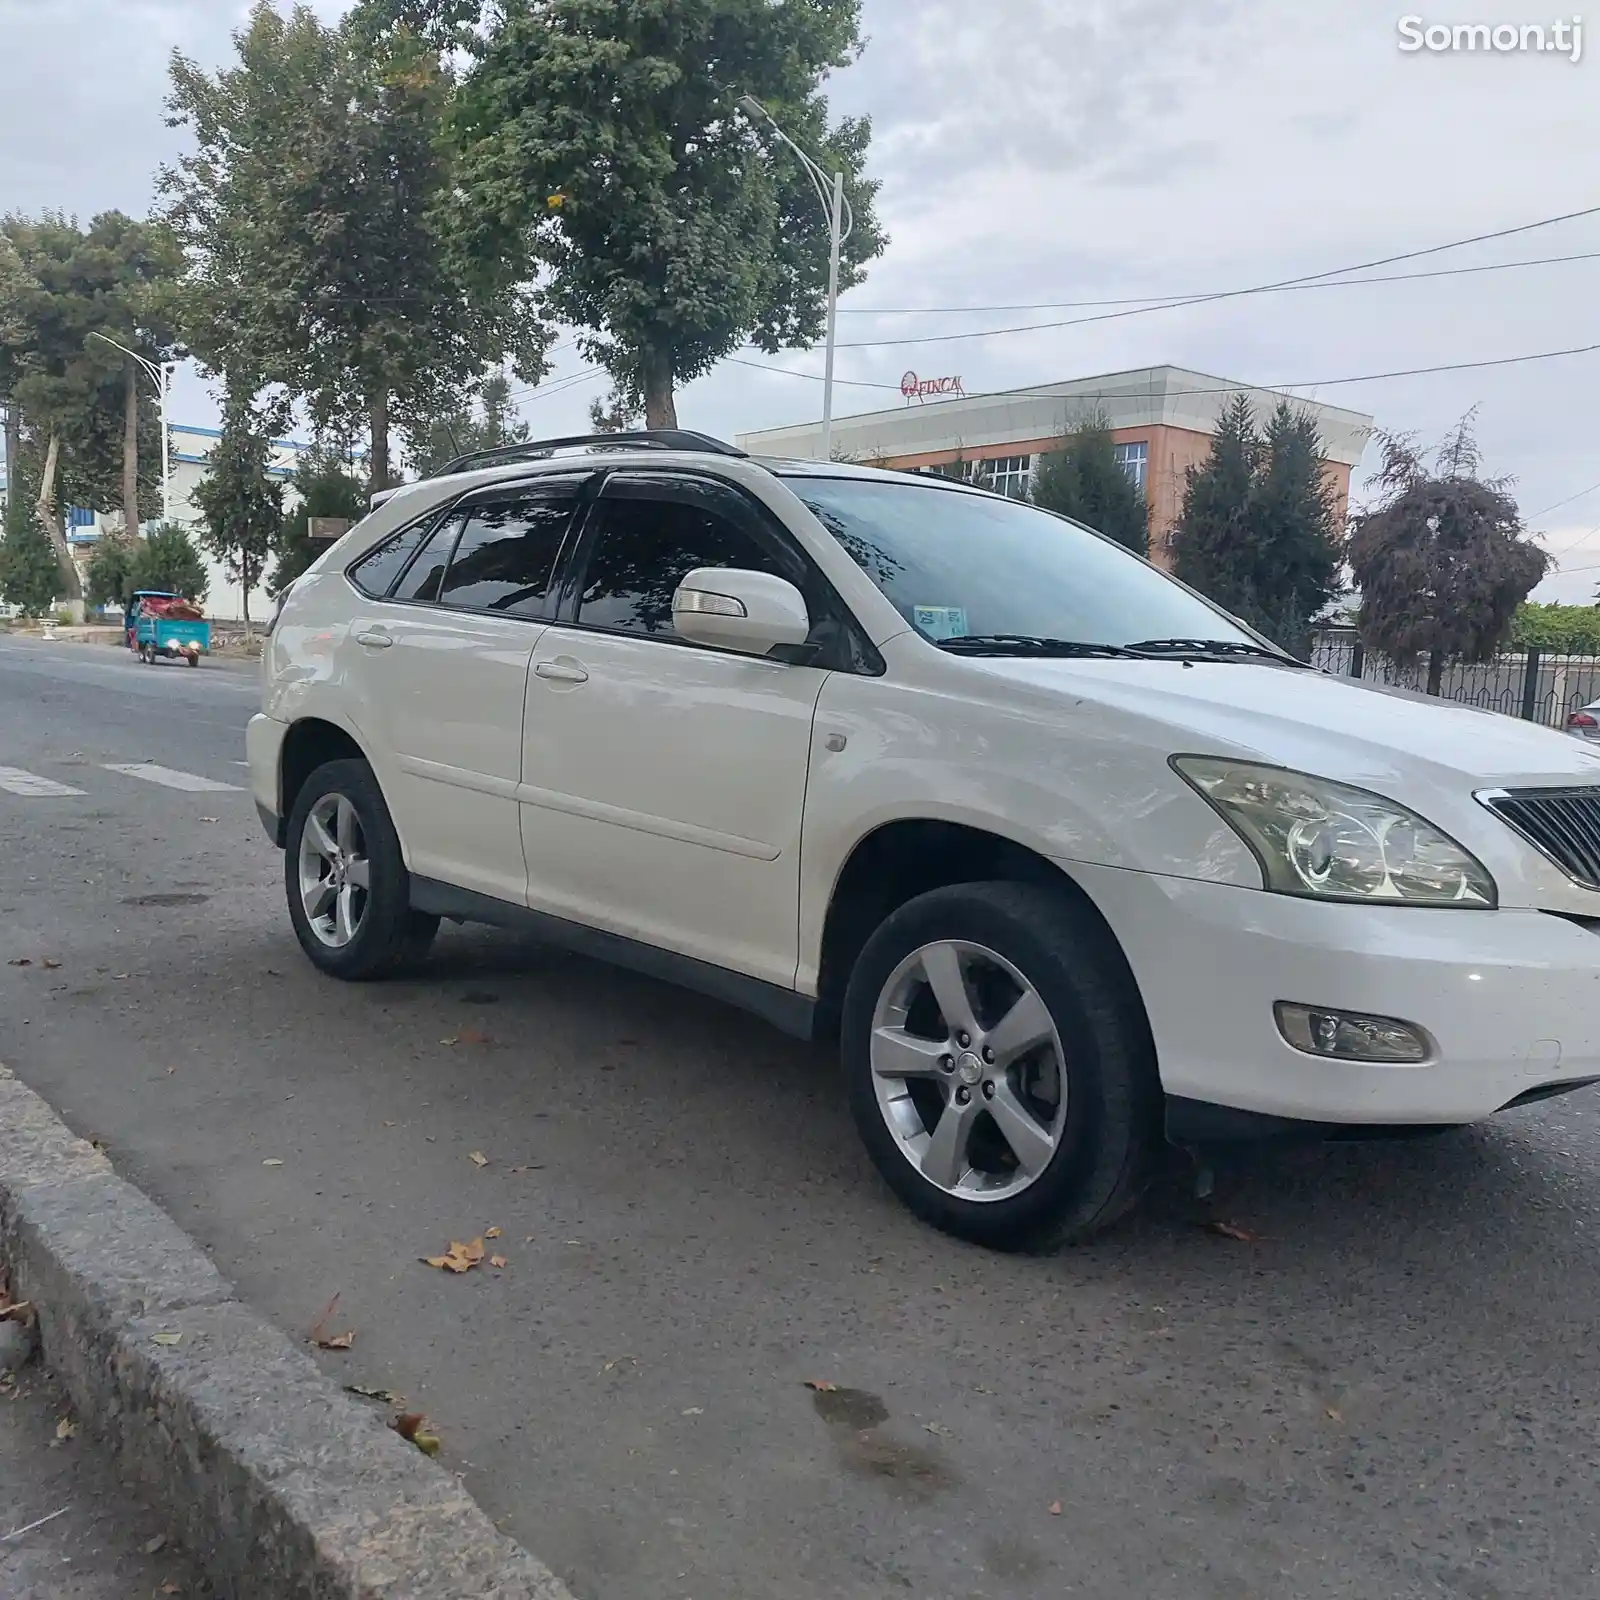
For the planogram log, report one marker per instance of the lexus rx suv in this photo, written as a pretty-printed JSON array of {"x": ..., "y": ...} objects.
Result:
[{"x": 1068, "y": 861}]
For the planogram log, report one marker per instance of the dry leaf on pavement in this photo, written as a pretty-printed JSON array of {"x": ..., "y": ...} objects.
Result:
[
  {"x": 459, "y": 1257},
  {"x": 822, "y": 1385},
  {"x": 1055, "y": 1508},
  {"x": 940, "y": 1429},
  {"x": 169, "y": 1587},
  {"x": 49, "y": 965},
  {"x": 153, "y": 1546},
  {"x": 21, "y": 961},
  {"x": 477, "y": 1158},
  {"x": 386, "y": 1395},
  {"x": 66, "y": 1428},
  {"x": 498, "y": 1261},
  {"x": 340, "y": 1341},
  {"x": 272, "y": 1161},
  {"x": 166, "y": 1338},
  {"x": 1232, "y": 1230},
  {"x": 410, "y": 1426},
  {"x": 491, "y": 1233}
]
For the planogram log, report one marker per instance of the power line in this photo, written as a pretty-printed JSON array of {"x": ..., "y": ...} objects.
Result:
[
  {"x": 1230, "y": 388},
  {"x": 1227, "y": 294},
  {"x": 1161, "y": 301},
  {"x": 1581, "y": 494}
]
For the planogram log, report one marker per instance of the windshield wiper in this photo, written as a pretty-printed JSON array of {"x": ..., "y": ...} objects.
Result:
[
  {"x": 1235, "y": 649},
  {"x": 1025, "y": 644}
]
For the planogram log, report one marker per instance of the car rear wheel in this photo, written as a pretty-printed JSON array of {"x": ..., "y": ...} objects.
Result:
[
  {"x": 346, "y": 880},
  {"x": 999, "y": 1066}
]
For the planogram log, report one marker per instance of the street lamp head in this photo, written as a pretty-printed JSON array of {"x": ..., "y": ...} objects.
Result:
[{"x": 753, "y": 107}]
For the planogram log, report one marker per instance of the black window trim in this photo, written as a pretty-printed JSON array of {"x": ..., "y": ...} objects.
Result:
[
  {"x": 459, "y": 508},
  {"x": 856, "y": 654}
]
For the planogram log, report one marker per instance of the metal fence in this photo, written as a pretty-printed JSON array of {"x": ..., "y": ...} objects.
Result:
[{"x": 1538, "y": 686}]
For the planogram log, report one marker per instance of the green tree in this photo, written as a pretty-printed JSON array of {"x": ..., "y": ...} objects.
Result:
[
  {"x": 326, "y": 488},
  {"x": 1085, "y": 481},
  {"x": 1258, "y": 531},
  {"x": 30, "y": 575},
  {"x": 490, "y": 423},
  {"x": 166, "y": 559},
  {"x": 1442, "y": 559},
  {"x": 312, "y": 214},
  {"x": 602, "y": 146},
  {"x": 109, "y": 580},
  {"x": 1565, "y": 630},
  {"x": 240, "y": 502}
]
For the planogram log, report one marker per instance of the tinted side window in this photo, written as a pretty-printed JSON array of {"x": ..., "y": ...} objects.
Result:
[
  {"x": 645, "y": 548},
  {"x": 375, "y": 572},
  {"x": 423, "y": 576},
  {"x": 507, "y": 554}
]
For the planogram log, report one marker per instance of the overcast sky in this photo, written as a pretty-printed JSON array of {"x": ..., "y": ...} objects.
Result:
[{"x": 1069, "y": 150}]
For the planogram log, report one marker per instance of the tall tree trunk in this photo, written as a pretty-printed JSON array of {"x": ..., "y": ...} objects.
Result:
[
  {"x": 1435, "y": 671},
  {"x": 45, "y": 507},
  {"x": 245, "y": 589},
  {"x": 130, "y": 456},
  {"x": 659, "y": 409},
  {"x": 378, "y": 458}
]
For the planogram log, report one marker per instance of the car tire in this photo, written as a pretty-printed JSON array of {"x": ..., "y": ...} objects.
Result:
[
  {"x": 1104, "y": 1127},
  {"x": 380, "y": 936}
]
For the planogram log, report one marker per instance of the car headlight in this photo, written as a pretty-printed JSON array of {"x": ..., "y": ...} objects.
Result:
[{"x": 1327, "y": 840}]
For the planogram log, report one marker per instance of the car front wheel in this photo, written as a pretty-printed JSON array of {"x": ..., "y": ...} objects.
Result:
[
  {"x": 346, "y": 880},
  {"x": 999, "y": 1065}
]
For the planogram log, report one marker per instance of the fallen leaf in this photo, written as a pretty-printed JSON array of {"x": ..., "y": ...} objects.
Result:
[
  {"x": 169, "y": 1587},
  {"x": 49, "y": 965},
  {"x": 152, "y": 1546},
  {"x": 1055, "y": 1508},
  {"x": 531, "y": 1237},
  {"x": 410, "y": 1427},
  {"x": 20, "y": 961},
  {"x": 1232, "y": 1230},
  {"x": 694, "y": 1411},
  {"x": 940, "y": 1429},
  {"x": 388, "y": 1124},
  {"x": 491, "y": 1233},
  {"x": 66, "y": 1428},
  {"x": 498, "y": 1261},
  {"x": 459, "y": 1257},
  {"x": 208, "y": 819},
  {"x": 384, "y": 1395},
  {"x": 16, "y": 1311},
  {"x": 532, "y": 1166},
  {"x": 1335, "y": 1414},
  {"x": 272, "y": 1161},
  {"x": 477, "y": 1158},
  {"x": 822, "y": 1385},
  {"x": 340, "y": 1341},
  {"x": 166, "y": 1338}
]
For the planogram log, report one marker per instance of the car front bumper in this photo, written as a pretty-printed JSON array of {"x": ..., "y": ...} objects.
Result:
[{"x": 1511, "y": 998}]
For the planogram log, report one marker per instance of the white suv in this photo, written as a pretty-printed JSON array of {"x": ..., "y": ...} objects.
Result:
[{"x": 1055, "y": 848}]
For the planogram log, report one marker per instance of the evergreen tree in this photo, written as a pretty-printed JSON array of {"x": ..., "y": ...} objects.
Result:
[
  {"x": 1085, "y": 481},
  {"x": 30, "y": 575},
  {"x": 1258, "y": 530},
  {"x": 240, "y": 503},
  {"x": 109, "y": 580},
  {"x": 1443, "y": 559},
  {"x": 166, "y": 559},
  {"x": 326, "y": 488}
]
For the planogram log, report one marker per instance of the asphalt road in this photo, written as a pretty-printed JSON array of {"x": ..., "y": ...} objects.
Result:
[{"x": 1388, "y": 1392}]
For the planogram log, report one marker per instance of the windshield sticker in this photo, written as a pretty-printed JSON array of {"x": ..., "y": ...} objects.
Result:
[{"x": 940, "y": 622}]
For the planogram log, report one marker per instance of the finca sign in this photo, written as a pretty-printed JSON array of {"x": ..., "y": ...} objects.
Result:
[{"x": 915, "y": 388}]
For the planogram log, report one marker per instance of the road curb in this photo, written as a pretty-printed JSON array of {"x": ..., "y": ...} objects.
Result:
[{"x": 280, "y": 1483}]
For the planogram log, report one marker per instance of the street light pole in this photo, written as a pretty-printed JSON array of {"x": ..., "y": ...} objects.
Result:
[
  {"x": 841, "y": 222},
  {"x": 162, "y": 374}
]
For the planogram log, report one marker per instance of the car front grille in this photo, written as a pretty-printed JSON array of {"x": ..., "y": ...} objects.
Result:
[{"x": 1563, "y": 823}]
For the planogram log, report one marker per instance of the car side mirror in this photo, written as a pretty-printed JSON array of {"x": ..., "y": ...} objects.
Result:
[{"x": 735, "y": 609}]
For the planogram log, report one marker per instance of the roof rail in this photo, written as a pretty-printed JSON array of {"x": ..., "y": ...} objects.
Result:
[{"x": 644, "y": 439}]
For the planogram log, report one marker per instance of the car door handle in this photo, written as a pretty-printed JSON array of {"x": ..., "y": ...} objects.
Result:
[
  {"x": 562, "y": 672},
  {"x": 375, "y": 639}
]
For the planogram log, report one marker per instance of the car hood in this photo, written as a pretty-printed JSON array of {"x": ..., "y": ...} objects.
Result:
[{"x": 1335, "y": 727}]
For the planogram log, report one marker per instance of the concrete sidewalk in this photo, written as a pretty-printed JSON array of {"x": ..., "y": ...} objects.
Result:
[{"x": 106, "y": 1544}]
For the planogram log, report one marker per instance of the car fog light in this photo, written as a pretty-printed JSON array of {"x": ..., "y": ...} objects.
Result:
[{"x": 1347, "y": 1036}]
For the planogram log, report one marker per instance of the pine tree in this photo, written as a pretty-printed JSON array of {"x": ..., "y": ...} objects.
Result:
[
  {"x": 1258, "y": 531},
  {"x": 326, "y": 488},
  {"x": 30, "y": 576},
  {"x": 240, "y": 503},
  {"x": 1085, "y": 481}
]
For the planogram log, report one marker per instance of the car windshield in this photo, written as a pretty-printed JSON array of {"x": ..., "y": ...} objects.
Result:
[{"x": 962, "y": 565}]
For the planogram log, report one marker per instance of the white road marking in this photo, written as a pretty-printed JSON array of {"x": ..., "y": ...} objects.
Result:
[
  {"x": 169, "y": 777},
  {"x": 32, "y": 787}
]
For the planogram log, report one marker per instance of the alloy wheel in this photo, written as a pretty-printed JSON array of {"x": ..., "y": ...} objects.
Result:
[{"x": 335, "y": 873}]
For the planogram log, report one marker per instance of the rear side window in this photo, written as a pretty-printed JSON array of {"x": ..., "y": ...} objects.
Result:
[
  {"x": 423, "y": 576},
  {"x": 375, "y": 572},
  {"x": 507, "y": 554}
]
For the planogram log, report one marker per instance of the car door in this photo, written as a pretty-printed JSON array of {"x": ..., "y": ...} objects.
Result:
[
  {"x": 663, "y": 782},
  {"x": 443, "y": 660}
]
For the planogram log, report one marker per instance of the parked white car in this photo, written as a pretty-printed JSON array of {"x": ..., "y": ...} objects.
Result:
[{"x": 1065, "y": 857}]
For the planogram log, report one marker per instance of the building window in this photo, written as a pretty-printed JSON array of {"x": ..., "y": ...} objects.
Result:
[
  {"x": 80, "y": 517},
  {"x": 1007, "y": 475},
  {"x": 1134, "y": 459}
]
